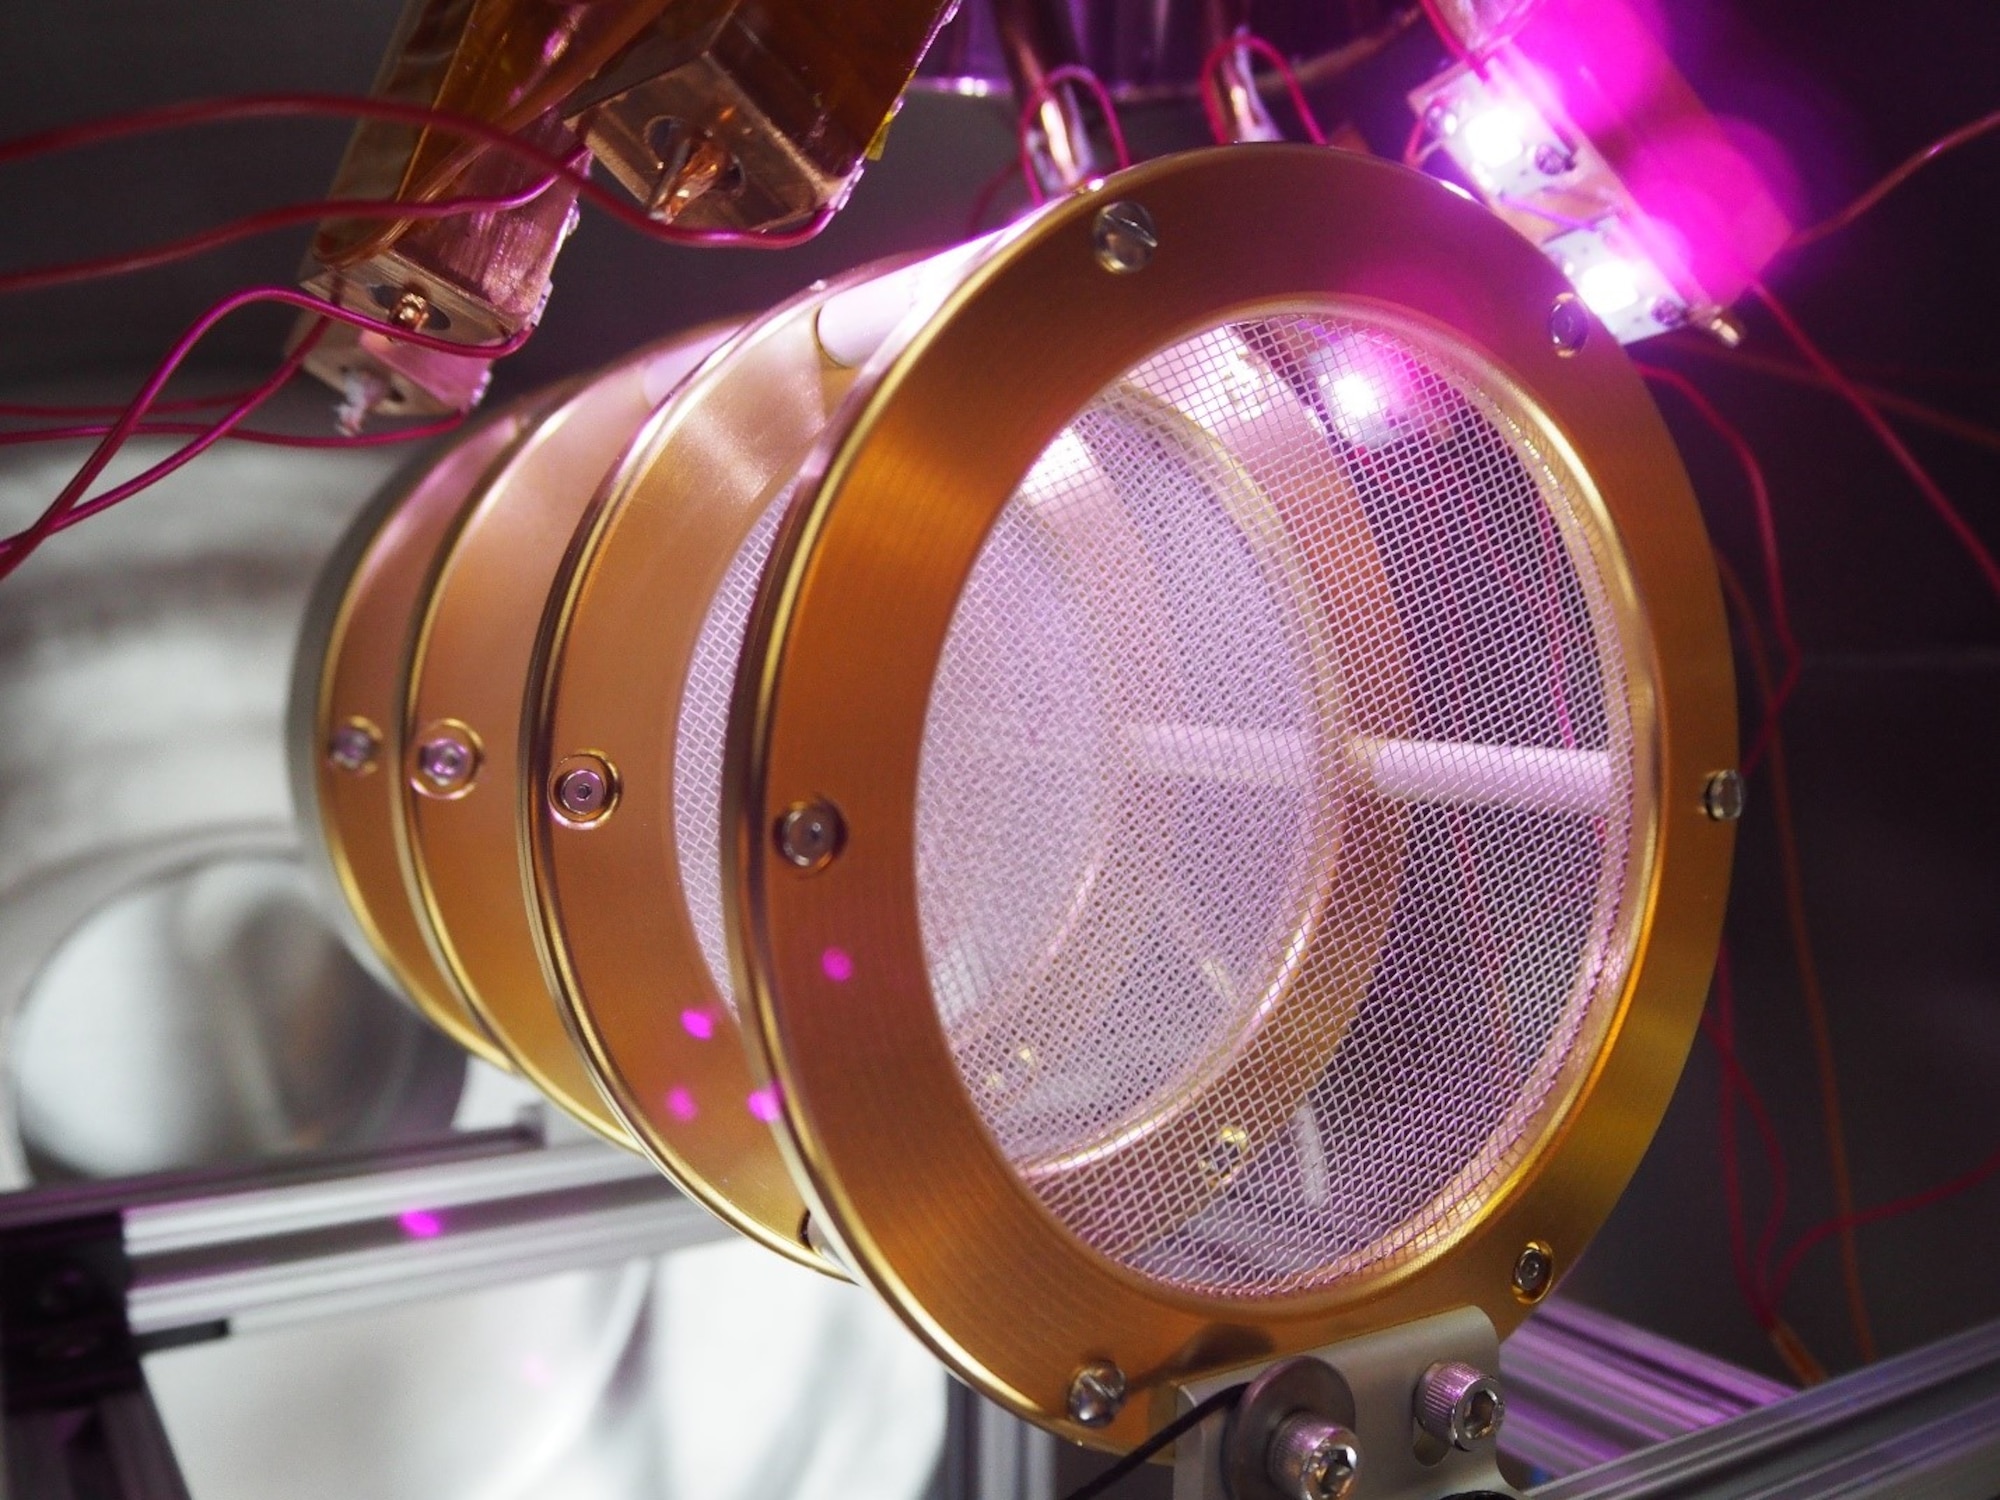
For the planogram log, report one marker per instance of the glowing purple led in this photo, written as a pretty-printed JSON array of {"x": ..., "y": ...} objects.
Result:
[
  {"x": 837, "y": 964},
  {"x": 698, "y": 1024},
  {"x": 422, "y": 1224},
  {"x": 680, "y": 1104},
  {"x": 763, "y": 1104}
]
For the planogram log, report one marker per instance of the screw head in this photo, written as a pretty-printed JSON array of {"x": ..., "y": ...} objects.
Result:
[
  {"x": 1534, "y": 1271},
  {"x": 1329, "y": 1470},
  {"x": 1312, "y": 1458},
  {"x": 447, "y": 759},
  {"x": 1459, "y": 1405},
  {"x": 1097, "y": 1394},
  {"x": 353, "y": 746},
  {"x": 412, "y": 311},
  {"x": 1723, "y": 796},
  {"x": 1552, "y": 161},
  {"x": 810, "y": 834},
  {"x": 1124, "y": 237},
  {"x": 1569, "y": 324},
  {"x": 1668, "y": 313},
  {"x": 583, "y": 788}
]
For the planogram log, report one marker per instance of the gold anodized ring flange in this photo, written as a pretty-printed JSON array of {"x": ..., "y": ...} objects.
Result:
[{"x": 832, "y": 701}]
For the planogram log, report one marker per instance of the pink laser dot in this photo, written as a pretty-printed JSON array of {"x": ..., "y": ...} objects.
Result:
[
  {"x": 763, "y": 1104},
  {"x": 698, "y": 1024},
  {"x": 420, "y": 1224},
  {"x": 680, "y": 1104},
  {"x": 837, "y": 964}
]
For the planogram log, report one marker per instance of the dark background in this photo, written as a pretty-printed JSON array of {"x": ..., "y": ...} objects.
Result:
[{"x": 1894, "y": 735}]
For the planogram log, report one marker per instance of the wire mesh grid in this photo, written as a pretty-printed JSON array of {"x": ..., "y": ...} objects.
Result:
[
  {"x": 1275, "y": 810},
  {"x": 698, "y": 741}
]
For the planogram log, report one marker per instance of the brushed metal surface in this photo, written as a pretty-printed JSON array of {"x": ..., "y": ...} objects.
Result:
[{"x": 171, "y": 997}]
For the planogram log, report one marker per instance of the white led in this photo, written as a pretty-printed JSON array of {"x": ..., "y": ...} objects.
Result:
[
  {"x": 1495, "y": 137},
  {"x": 1608, "y": 287},
  {"x": 1357, "y": 396}
]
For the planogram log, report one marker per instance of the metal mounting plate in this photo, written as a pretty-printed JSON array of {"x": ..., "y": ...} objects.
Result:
[{"x": 1381, "y": 1371}]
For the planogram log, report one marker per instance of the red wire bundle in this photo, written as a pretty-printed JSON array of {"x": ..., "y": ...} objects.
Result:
[
  {"x": 337, "y": 106},
  {"x": 38, "y": 278},
  {"x": 70, "y": 506},
  {"x": 1933, "y": 493},
  {"x": 1042, "y": 93},
  {"x": 1767, "y": 538},
  {"x": 1211, "y": 104}
]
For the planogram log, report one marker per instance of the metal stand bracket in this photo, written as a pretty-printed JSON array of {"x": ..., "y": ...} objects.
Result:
[
  {"x": 1383, "y": 1373},
  {"x": 80, "y": 1420}
]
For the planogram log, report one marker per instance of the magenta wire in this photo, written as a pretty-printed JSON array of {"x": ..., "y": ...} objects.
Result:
[
  {"x": 339, "y": 106},
  {"x": 1767, "y": 540},
  {"x": 1043, "y": 92},
  {"x": 181, "y": 456},
  {"x": 1895, "y": 1208},
  {"x": 37, "y": 410},
  {"x": 1241, "y": 40},
  {"x": 20, "y": 546},
  {"x": 38, "y": 278},
  {"x": 1961, "y": 530},
  {"x": 253, "y": 435}
]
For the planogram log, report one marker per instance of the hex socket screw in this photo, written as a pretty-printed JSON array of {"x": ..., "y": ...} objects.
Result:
[
  {"x": 809, "y": 834},
  {"x": 583, "y": 788},
  {"x": 1097, "y": 1394},
  {"x": 1459, "y": 1405},
  {"x": 353, "y": 746},
  {"x": 446, "y": 761},
  {"x": 1314, "y": 1459},
  {"x": 1534, "y": 1271}
]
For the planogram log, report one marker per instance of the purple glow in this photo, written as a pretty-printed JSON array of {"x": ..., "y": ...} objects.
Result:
[
  {"x": 422, "y": 1224},
  {"x": 1705, "y": 209},
  {"x": 837, "y": 964},
  {"x": 764, "y": 1104},
  {"x": 680, "y": 1104},
  {"x": 698, "y": 1024}
]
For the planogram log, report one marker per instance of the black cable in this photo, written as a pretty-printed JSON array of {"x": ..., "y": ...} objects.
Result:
[{"x": 1194, "y": 1416}]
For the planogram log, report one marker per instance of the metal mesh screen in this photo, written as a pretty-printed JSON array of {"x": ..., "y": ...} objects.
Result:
[
  {"x": 698, "y": 741},
  {"x": 1275, "y": 810}
]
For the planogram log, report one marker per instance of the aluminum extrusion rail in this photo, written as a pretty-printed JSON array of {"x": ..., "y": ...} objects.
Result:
[
  {"x": 284, "y": 1255},
  {"x": 307, "y": 1237},
  {"x": 1584, "y": 1388},
  {"x": 1922, "y": 1426},
  {"x": 93, "y": 1276}
]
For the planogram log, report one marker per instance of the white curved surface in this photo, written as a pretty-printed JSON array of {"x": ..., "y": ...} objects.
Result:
[{"x": 144, "y": 665}]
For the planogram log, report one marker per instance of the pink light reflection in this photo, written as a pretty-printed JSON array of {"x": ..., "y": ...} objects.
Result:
[
  {"x": 763, "y": 1103},
  {"x": 681, "y": 1105},
  {"x": 1709, "y": 210},
  {"x": 421, "y": 1224},
  {"x": 837, "y": 964},
  {"x": 698, "y": 1024}
]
